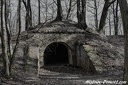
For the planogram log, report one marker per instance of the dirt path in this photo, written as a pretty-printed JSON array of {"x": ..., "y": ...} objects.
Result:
[
  {"x": 68, "y": 75},
  {"x": 61, "y": 75}
]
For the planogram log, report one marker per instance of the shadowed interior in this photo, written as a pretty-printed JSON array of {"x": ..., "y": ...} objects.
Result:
[{"x": 56, "y": 53}]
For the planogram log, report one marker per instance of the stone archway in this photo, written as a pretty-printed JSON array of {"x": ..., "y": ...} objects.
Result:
[{"x": 57, "y": 53}]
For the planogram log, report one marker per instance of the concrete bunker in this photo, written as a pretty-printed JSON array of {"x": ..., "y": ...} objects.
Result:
[
  {"x": 57, "y": 53},
  {"x": 46, "y": 43}
]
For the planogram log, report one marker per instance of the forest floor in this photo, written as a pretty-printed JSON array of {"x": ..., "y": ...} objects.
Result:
[
  {"x": 64, "y": 74},
  {"x": 61, "y": 75}
]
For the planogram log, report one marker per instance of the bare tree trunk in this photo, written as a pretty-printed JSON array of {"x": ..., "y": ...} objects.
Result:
[
  {"x": 78, "y": 11},
  {"x": 30, "y": 15},
  {"x": 38, "y": 11},
  {"x": 46, "y": 10},
  {"x": 27, "y": 16},
  {"x": 124, "y": 14},
  {"x": 7, "y": 29},
  {"x": 83, "y": 20},
  {"x": 28, "y": 21},
  {"x": 116, "y": 19},
  {"x": 17, "y": 40},
  {"x": 110, "y": 23},
  {"x": 81, "y": 14},
  {"x": 69, "y": 10},
  {"x": 4, "y": 38},
  {"x": 96, "y": 14},
  {"x": 59, "y": 11},
  {"x": 104, "y": 14}
]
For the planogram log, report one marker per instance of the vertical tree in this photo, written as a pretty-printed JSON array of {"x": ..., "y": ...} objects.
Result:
[
  {"x": 29, "y": 14},
  {"x": 104, "y": 14},
  {"x": 109, "y": 20},
  {"x": 115, "y": 17},
  {"x": 96, "y": 14},
  {"x": 124, "y": 14},
  {"x": 83, "y": 21},
  {"x": 5, "y": 40},
  {"x": 19, "y": 31},
  {"x": 81, "y": 12},
  {"x": 28, "y": 21},
  {"x": 59, "y": 11},
  {"x": 46, "y": 10},
  {"x": 38, "y": 11},
  {"x": 69, "y": 10},
  {"x": 78, "y": 11}
]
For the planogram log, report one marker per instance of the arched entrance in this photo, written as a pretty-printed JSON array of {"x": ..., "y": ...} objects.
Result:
[{"x": 56, "y": 53}]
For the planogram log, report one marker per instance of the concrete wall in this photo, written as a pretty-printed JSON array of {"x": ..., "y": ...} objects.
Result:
[{"x": 73, "y": 42}]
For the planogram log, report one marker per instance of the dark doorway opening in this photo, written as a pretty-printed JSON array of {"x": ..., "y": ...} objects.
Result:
[{"x": 56, "y": 53}]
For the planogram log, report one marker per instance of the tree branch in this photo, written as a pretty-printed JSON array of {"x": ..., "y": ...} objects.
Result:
[
  {"x": 25, "y": 4},
  {"x": 111, "y": 2}
]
